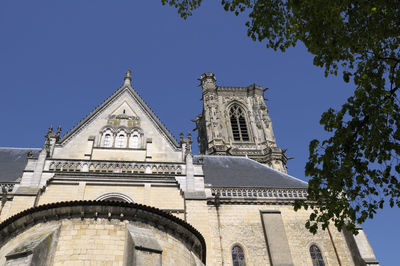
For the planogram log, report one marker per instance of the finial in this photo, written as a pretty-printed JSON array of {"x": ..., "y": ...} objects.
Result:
[{"x": 128, "y": 77}]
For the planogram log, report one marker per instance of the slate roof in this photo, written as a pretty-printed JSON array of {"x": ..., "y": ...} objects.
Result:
[
  {"x": 13, "y": 162},
  {"x": 234, "y": 171}
]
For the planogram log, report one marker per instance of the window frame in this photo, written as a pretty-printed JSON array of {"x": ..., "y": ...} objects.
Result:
[
  {"x": 135, "y": 134},
  {"x": 107, "y": 141},
  {"x": 121, "y": 140},
  {"x": 239, "y": 124},
  {"x": 316, "y": 261},
  {"x": 241, "y": 246}
]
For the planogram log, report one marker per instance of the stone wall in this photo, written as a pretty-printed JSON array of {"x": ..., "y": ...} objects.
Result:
[
  {"x": 100, "y": 242},
  {"x": 159, "y": 197},
  {"x": 197, "y": 214},
  {"x": 90, "y": 241},
  {"x": 145, "y": 235},
  {"x": 18, "y": 204},
  {"x": 167, "y": 198},
  {"x": 241, "y": 224},
  {"x": 37, "y": 249},
  {"x": 232, "y": 224}
]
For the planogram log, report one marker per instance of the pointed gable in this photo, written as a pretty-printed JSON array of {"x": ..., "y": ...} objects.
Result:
[{"x": 125, "y": 115}]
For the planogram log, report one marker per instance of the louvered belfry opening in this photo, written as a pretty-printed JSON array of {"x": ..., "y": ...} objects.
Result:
[{"x": 238, "y": 123}]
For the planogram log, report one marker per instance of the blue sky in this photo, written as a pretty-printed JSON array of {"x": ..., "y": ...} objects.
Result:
[{"x": 60, "y": 59}]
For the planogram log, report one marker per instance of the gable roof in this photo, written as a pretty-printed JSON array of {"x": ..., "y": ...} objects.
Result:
[
  {"x": 235, "y": 171},
  {"x": 13, "y": 162},
  {"x": 126, "y": 87}
]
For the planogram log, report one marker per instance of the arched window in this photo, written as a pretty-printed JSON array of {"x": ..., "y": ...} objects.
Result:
[
  {"x": 107, "y": 140},
  {"x": 316, "y": 256},
  {"x": 238, "y": 256},
  {"x": 134, "y": 142},
  {"x": 238, "y": 123},
  {"x": 121, "y": 141},
  {"x": 114, "y": 196}
]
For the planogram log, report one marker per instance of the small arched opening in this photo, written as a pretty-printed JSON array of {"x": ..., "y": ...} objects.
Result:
[
  {"x": 238, "y": 257},
  {"x": 115, "y": 196}
]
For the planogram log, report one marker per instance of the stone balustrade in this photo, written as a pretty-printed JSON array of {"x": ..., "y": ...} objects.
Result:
[
  {"x": 7, "y": 187},
  {"x": 266, "y": 193},
  {"x": 115, "y": 167}
]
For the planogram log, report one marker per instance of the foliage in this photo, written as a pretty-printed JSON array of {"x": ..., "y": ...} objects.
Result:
[{"x": 356, "y": 170}]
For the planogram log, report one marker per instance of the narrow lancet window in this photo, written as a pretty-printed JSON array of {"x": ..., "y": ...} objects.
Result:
[
  {"x": 135, "y": 142},
  {"x": 121, "y": 141},
  {"x": 238, "y": 124},
  {"x": 238, "y": 256},
  {"x": 316, "y": 256},
  {"x": 107, "y": 140}
]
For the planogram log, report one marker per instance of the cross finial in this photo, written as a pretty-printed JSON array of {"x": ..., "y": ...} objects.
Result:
[{"x": 128, "y": 77}]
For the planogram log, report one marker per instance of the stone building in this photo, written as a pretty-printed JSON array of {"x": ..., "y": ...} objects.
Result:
[{"x": 119, "y": 189}]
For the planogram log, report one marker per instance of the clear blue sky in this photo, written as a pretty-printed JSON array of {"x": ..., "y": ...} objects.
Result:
[{"x": 60, "y": 59}]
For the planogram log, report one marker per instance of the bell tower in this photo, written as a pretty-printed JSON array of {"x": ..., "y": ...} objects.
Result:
[{"x": 235, "y": 121}]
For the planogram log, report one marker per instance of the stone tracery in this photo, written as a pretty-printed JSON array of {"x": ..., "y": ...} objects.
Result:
[{"x": 122, "y": 131}]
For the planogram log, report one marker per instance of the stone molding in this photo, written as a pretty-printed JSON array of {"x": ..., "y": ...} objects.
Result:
[
  {"x": 108, "y": 210},
  {"x": 112, "y": 180}
]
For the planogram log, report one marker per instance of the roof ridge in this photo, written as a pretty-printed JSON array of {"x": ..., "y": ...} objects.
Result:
[
  {"x": 66, "y": 135},
  {"x": 155, "y": 115}
]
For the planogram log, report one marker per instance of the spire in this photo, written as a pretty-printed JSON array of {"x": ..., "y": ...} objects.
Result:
[{"x": 128, "y": 77}]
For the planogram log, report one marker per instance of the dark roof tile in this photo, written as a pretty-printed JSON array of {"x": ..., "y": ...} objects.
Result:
[
  {"x": 233, "y": 171},
  {"x": 13, "y": 162}
]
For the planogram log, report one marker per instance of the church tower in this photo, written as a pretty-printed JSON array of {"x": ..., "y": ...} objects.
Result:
[{"x": 235, "y": 121}]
